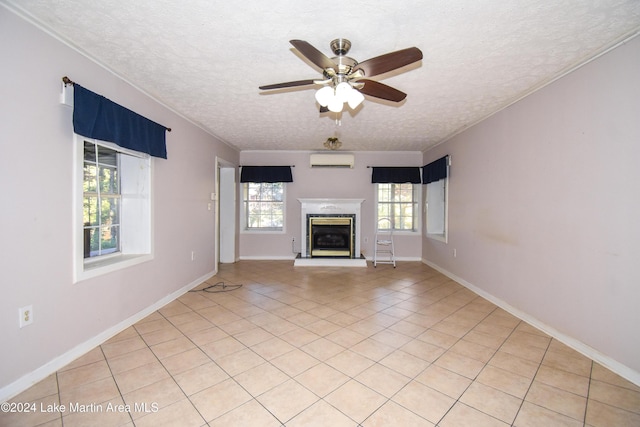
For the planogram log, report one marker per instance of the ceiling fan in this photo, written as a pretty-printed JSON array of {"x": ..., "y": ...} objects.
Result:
[{"x": 345, "y": 80}]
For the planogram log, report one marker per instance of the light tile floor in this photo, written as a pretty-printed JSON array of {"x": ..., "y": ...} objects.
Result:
[{"x": 307, "y": 346}]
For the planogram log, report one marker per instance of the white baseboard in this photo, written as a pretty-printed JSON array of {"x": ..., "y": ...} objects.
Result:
[
  {"x": 61, "y": 361},
  {"x": 293, "y": 257},
  {"x": 400, "y": 259},
  {"x": 268, "y": 257},
  {"x": 590, "y": 352}
]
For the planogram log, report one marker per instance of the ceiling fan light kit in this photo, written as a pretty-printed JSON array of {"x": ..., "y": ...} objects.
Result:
[
  {"x": 332, "y": 143},
  {"x": 344, "y": 77},
  {"x": 335, "y": 98}
]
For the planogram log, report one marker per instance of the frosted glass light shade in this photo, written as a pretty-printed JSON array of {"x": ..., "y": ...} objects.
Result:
[
  {"x": 334, "y": 98},
  {"x": 325, "y": 95},
  {"x": 335, "y": 105},
  {"x": 343, "y": 90},
  {"x": 355, "y": 98}
]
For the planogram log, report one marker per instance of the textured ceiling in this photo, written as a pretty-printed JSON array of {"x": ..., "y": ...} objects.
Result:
[{"x": 205, "y": 59}]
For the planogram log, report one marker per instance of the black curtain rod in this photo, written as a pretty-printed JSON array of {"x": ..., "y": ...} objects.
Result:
[
  {"x": 291, "y": 166},
  {"x": 67, "y": 81}
]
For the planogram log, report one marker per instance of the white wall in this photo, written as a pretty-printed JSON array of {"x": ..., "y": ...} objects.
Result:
[
  {"x": 326, "y": 183},
  {"x": 35, "y": 219},
  {"x": 228, "y": 214},
  {"x": 544, "y": 208}
]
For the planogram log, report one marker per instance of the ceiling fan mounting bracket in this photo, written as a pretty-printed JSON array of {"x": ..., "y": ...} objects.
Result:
[{"x": 340, "y": 47}]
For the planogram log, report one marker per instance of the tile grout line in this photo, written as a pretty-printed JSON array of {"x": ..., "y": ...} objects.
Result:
[
  {"x": 457, "y": 400},
  {"x": 586, "y": 406},
  {"x": 154, "y": 355},
  {"x": 324, "y": 362},
  {"x": 59, "y": 394},
  {"x": 533, "y": 378},
  {"x": 163, "y": 367},
  {"x": 433, "y": 362},
  {"x": 255, "y": 398},
  {"x": 213, "y": 361}
]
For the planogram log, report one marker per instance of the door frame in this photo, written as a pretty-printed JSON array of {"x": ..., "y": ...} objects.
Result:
[{"x": 226, "y": 212}]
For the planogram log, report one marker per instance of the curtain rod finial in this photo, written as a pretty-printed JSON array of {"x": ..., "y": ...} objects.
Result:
[{"x": 67, "y": 81}]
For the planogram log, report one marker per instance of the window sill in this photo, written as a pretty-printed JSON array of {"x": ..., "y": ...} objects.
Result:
[
  {"x": 439, "y": 237},
  {"x": 254, "y": 231},
  {"x": 100, "y": 267},
  {"x": 401, "y": 232}
]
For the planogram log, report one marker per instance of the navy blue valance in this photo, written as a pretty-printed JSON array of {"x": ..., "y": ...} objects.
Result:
[
  {"x": 266, "y": 174},
  {"x": 395, "y": 175},
  {"x": 95, "y": 116},
  {"x": 435, "y": 171}
]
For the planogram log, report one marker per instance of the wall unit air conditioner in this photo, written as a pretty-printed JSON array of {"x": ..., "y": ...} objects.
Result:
[{"x": 331, "y": 160}]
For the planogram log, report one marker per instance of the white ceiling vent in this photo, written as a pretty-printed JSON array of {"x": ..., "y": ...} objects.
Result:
[{"x": 332, "y": 160}]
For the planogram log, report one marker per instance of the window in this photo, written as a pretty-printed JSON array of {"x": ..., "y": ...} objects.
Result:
[
  {"x": 100, "y": 200},
  {"x": 113, "y": 208},
  {"x": 436, "y": 208},
  {"x": 399, "y": 203},
  {"x": 263, "y": 206},
  {"x": 435, "y": 176}
]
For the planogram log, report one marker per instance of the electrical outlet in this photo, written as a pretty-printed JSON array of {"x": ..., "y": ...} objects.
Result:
[{"x": 26, "y": 316}]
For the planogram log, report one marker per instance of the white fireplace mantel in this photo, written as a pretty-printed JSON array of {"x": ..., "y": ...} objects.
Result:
[{"x": 329, "y": 206}]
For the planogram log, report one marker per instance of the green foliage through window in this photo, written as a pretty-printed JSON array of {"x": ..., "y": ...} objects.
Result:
[
  {"x": 398, "y": 203},
  {"x": 101, "y": 200},
  {"x": 264, "y": 205}
]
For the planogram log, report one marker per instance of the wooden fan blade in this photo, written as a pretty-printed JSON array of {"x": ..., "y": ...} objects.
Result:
[
  {"x": 390, "y": 61},
  {"x": 313, "y": 54},
  {"x": 288, "y": 84},
  {"x": 381, "y": 90}
]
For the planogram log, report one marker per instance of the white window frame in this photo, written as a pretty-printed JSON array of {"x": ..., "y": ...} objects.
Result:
[
  {"x": 266, "y": 230},
  {"x": 136, "y": 241},
  {"x": 437, "y": 210},
  {"x": 416, "y": 209}
]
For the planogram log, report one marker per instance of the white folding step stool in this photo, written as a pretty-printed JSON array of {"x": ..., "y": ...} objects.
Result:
[{"x": 384, "y": 243}]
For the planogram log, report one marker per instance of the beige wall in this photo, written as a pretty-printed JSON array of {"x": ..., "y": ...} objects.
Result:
[
  {"x": 326, "y": 183},
  {"x": 36, "y": 216},
  {"x": 544, "y": 208}
]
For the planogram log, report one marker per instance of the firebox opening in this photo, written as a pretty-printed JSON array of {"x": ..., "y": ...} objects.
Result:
[{"x": 331, "y": 236}]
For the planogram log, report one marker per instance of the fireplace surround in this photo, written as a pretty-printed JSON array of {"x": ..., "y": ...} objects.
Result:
[{"x": 332, "y": 218}]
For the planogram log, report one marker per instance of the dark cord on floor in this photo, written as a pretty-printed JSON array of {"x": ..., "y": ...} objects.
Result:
[{"x": 218, "y": 287}]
